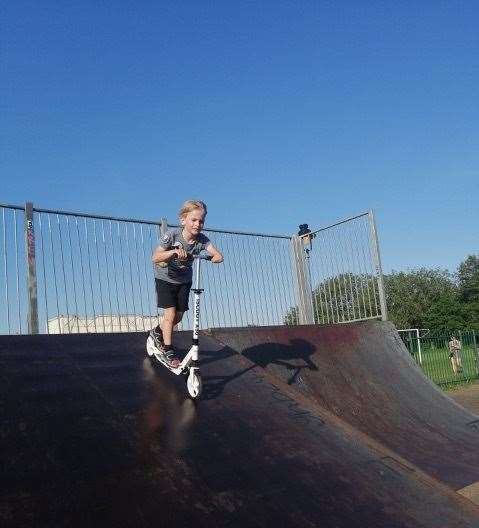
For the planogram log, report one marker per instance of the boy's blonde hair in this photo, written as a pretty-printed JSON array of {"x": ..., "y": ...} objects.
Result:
[{"x": 191, "y": 205}]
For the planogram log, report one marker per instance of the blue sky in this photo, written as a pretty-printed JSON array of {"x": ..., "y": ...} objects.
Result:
[{"x": 274, "y": 113}]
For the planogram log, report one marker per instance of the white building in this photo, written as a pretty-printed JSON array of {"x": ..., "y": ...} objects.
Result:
[{"x": 74, "y": 324}]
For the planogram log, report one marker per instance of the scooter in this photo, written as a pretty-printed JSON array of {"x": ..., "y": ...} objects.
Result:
[{"x": 189, "y": 366}]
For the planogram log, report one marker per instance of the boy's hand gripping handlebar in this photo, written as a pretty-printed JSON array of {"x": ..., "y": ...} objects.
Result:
[{"x": 201, "y": 256}]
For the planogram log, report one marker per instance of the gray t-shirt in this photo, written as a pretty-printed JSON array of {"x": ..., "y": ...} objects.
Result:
[{"x": 176, "y": 271}]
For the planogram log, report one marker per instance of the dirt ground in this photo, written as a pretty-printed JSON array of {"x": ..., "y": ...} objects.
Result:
[{"x": 467, "y": 396}]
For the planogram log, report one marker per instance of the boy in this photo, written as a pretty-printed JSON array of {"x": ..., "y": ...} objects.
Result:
[{"x": 173, "y": 272}]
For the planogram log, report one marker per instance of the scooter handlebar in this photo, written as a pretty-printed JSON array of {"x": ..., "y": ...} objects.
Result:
[{"x": 201, "y": 256}]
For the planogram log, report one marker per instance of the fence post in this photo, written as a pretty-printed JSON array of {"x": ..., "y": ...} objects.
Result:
[
  {"x": 304, "y": 294},
  {"x": 31, "y": 270},
  {"x": 419, "y": 345},
  {"x": 377, "y": 264}
]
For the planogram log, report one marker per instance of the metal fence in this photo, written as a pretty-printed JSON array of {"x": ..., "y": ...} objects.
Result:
[
  {"x": 433, "y": 356},
  {"x": 253, "y": 287},
  {"x": 66, "y": 272},
  {"x": 95, "y": 272},
  {"x": 14, "y": 303},
  {"x": 343, "y": 272}
]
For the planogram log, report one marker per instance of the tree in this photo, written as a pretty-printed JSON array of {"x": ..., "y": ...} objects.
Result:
[
  {"x": 445, "y": 316},
  {"x": 343, "y": 297},
  {"x": 411, "y": 295},
  {"x": 423, "y": 298},
  {"x": 468, "y": 274},
  {"x": 347, "y": 297},
  {"x": 292, "y": 316}
]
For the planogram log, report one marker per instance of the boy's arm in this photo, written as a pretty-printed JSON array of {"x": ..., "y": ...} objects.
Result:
[
  {"x": 162, "y": 255},
  {"x": 217, "y": 257}
]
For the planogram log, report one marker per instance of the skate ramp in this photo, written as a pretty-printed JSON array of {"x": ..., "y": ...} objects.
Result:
[
  {"x": 363, "y": 374},
  {"x": 93, "y": 434}
]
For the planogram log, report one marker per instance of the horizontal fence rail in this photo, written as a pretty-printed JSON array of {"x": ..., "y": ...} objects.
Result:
[{"x": 67, "y": 272}]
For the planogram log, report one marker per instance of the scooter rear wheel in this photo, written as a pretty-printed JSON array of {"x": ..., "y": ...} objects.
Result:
[
  {"x": 194, "y": 384},
  {"x": 150, "y": 346}
]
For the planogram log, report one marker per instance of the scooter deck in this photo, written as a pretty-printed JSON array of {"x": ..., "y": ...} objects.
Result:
[{"x": 154, "y": 352}]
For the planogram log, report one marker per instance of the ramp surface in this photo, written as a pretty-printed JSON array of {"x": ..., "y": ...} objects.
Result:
[
  {"x": 93, "y": 434},
  {"x": 363, "y": 373}
]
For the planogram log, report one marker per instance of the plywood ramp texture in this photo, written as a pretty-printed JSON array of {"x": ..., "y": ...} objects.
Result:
[
  {"x": 363, "y": 373},
  {"x": 93, "y": 433}
]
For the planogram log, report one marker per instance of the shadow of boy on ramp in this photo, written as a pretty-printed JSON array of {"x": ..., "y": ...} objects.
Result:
[{"x": 293, "y": 357}]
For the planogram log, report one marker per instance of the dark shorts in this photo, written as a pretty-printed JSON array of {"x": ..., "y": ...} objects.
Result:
[{"x": 169, "y": 295}]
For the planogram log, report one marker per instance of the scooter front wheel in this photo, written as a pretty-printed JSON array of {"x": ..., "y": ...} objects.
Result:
[{"x": 194, "y": 384}]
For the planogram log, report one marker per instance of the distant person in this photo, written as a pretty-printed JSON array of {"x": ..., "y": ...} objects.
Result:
[
  {"x": 174, "y": 272},
  {"x": 455, "y": 354}
]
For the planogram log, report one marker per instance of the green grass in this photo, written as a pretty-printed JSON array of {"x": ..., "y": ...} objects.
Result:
[
  {"x": 451, "y": 387},
  {"x": 436, "y": 364}
]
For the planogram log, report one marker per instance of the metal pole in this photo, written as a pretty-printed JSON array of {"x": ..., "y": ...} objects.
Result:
[
  {"x": 304, "y": 294},
  {"x": 31, "y": 270},
  {"x": 419, "y": 346},
  {"x": 5, "y": 264},
  {"x": 377, "y": 263}
]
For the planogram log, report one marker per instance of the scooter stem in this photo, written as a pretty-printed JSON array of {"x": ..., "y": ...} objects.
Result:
[
  {"x": 197, "y": 274},
  {"x": 196, "y": 310}
]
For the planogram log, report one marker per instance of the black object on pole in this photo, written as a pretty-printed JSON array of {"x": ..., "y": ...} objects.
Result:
[{"x": 306, "y": 237}]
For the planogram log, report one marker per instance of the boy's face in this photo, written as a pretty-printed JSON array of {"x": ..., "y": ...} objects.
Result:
[{"x": 194, "y": 221}]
